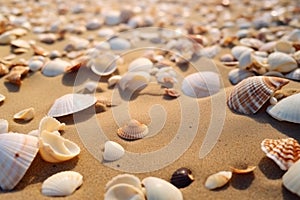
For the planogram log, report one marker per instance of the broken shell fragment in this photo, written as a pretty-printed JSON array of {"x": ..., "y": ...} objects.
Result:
[
  {"x": 25, "y": 115},
  {"x": 112, "y": 151},
  {"x": 182, "y": 177},
  {"x": 291, "y": 178},
  {"x": 51, "y": 124},
  {"x": 62, "y": 184},
  {"x": 218, "y": 180},
  {"x": 133, "y": 130},
  {"x": 3, "y": 126}
]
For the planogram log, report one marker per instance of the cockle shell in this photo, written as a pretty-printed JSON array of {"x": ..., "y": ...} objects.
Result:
[
  {"x": 284, "y": 152},
  {"x": 294, "y": 75},
  {"x": 124, "y": 191},
  {"x": 51, "y": 124},
  {"x": 112, "y": 151},
  {"x": 3, "y": 126},
  {"x": 140, "y": 64},
  {"x": 281, "y": 62},
  {"x": 126, "y": 179},
  {"x": 17, "y": 153},
  {"x": 251, "y": 94},
  {"x": 290, "y": 179},
  {"x": 134, "y": 80},
  {"x": 159, "y": 189},
  {"x": 286, "y": 109},
  {"x": 218, "y": 180},
  {"x": 104, "y": 64},
  {"x": 62, "y": 183},
  {"x": 237, "y": 75},
  {"x": 54, "y": 148},
  {"x": 55, "y": 67},
  {"x": 71, "y": 103},
  {"x": 201, "y": 84},
  {"x": 133, "y": 130},
  {"x": 25, "y": 115}
]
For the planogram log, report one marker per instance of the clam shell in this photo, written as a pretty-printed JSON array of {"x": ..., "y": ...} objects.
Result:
[
  {"x": 17, "y": 153},
  {"x": 54, "y": 148},
  {"x": 140, "y": 64},
  {"x": 251, "y": 42},
  {"x": 112, "y": 151},
  {"x": 6, "y": 38},
  {"x": 218, "y": 180},
  {"x": 281, "y": 62},
  {"x": 25, "y": 115},
  {"x": 124, "y": 191},
  {"x": 126, "y": 179},
  {"x": 159, "y": 189},
  {"x": 237, "y": 51},
  {"x": 290, "y": 179},
  {"x": 3, "y": 126},
  {"x": 182, "y": 177},
  {"x": 119, "y": 44},
  {"x": 35, "y": 65},
  {"x": 2, "y": 98},
  {"x": 134, "y": 80},
  {"x": 55, "y": 67},
  {"x": 237, "y": 75},
  {"x": 51, "y": 124},
  {"x": 71, "y": 103},
  {"x": 62, "y": 184},
  {"x": 104, "y": 64},
  {"x": 284, "y": 47},
  {"x": 201, "y": 84},
  {"x": 294, "y": 75},
  {"x": 251, "y": 94},
  {"x": 113, "y": 80},
  {"x": 286, "y": 109},
  {"x": 133, "y": 130},
  {"x": 284, "y": 152}
]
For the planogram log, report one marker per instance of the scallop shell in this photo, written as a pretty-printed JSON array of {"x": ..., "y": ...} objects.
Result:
[
  {"x": 3, "y": 126},
  {"x": 104, "y": 64},
  {"x": 201, "y": 84},
  {"x": 182, "y": 177},
  {"x": 218, "y": 180},
  {"x": 2, "y": 98},
  {"x": 123, "y": 191},
  {"x": 71, "y": 103},
  {"x": 281, "y": 62},
  {"x": 54, "y": 148},
  {"x": 125, "y": 179},
  {"x": 25, "y": 115},
  {"x": 286, "y": 109},
  {"x": 159, "y": 189},
  {"x": 251, "y": 94},
  {"x": 237, "y": 75},
  {"x": 140, "y": 64},
  {"x": 284, "y": 152},
  {"x": 55, "y": 67},
  {"x": 17, "y": 153},
  {"x": 112, "y": 151},
  {"x": 290, "y": 179},
  {"x": 294, "y": 75},
  {"x": 134, "y": 81},
  {"x": 51, "y": 124},
  {"x": 133, "y": 130},
  {"x": 62, "y": 184}
]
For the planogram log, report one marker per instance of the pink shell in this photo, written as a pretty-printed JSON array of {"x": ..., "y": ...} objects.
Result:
[
  {"x": 252, "y": 93},
  {"x": 133, "y": 130},
  {"x": 285, "y": 152}
]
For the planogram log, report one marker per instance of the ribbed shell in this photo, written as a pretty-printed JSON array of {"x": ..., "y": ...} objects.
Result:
[
  {"x": 284, "y": 152},
  {"x": 133, "y": 130},
  {"x": 17, "y": 152},
  {"x": 251, "y": 94}
]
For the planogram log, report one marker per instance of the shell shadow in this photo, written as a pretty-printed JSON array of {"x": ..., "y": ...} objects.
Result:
[
  {"x": 287, "y": 195},
  {"x": 11, "y": 87},
  {"x": 242, "y": 181},
  {"x": 269, "y": 168}
]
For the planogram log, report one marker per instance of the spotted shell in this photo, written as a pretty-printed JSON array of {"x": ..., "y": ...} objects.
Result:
[
  {"x": 284, "y": 152},
  {"x": 251, "y": 94},
  {"x": 133, "y": 130}
]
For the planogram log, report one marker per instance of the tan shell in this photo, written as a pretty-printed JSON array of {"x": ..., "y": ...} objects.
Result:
[
  {"x": 218, "y": 180},
  {"x": 247, "y": 170},
  {"x": 281, "y": 62},
  {"x": 171, "y": 92},
  {"x": 25, "y": 115},
  {"x": 133, "y": 130}
]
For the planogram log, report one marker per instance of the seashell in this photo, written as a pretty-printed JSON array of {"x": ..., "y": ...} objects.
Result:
[
  {"x": 104, "y": 65},
  {"x": 294, "y": 75},
  {"x": 274, "y": 73},
  {"x": 273, "y": 101},
  {"x": 252, "y": 93},
  {"x": 159, "y": 189},
  {"x": 20, "y": 43},
  {"x": 237, "y": 75},
  {"x": 284, "y": 152},
  {"x": 171, "y": 92},
  {"x": 6, "y": 38},
  {"x": 201, "y": 84},
  {"x": 62, "y": 184},
  {"x": 284, "y": 47},
  {"x": 251, "y": 42},
  {"x": 19, "y": 50},
  {"x": 93, "y": 24},
  {"x": 113, "y": 80},
  {"x": 17, "y": 153},
  {"x": 281, "y": 62},
  {"x": 245, "y": 60},
  {"x": 55, "y": 67},
  {"x": 54, "y": 148},
  {"x": 228, "y": 60},
  {"x": 140, "y": 64},
  {"x": 119, "y": 44},
  {"x": 286, "y": 109},
  {"x": 246, "y": 170},
  {"x": 48, "y": 38},
  {"x": 16, "y": 74},
  {"x": 112, "y": 17},
  {"x": 134, "y": 81},
  {"x": 290, "y": 179},
  {"x": 54, "y": 54},
  {"x": 25, "y": 115},
  {"x": 3, "y": 69},
  {"x": 123, "y": 191},
  {"x": 106, "y": 32},
  {"x": 3, "y": 126},
  {"x": 71, "y": 103},
  {"x": 2, "y": 98},
  {"x": 133, "y": 130},
  {"x": 51, "y": 124},
  {"x": 125, "y": 179},
  {"x": 209, "y": 52},
  {"x": 112, "y": 151},
  {"x": 218, "y": 180},
  {"x": 238, "y": 50},
  {"x": 268, "y": 47},
  {"x": 35, "y": 65},
  {"x": 182, "y": 177}
]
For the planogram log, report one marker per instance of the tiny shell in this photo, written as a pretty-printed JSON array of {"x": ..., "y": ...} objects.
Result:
[
  {"x": 218, "y": 180},
  {"x": 20, "y": 43},
  {"x": 55, "y": 67},
  {"x": 3, "y": 69},
  {"x": 182, "y": 177},
  {"x": 3, "y": 126},
  {"x": 133, "y": 130},
  {"x": 140, "y": 64},
  {"x": 237, "y": 75},
  {"x": 126, "y": 179},
  {"x": 291, "y": 178},
  {"x": 113, "y": 80},
  {"x": 281, "y": 62},
  {"x": 284, "y": 152},
  {"x": 91, "y": 86},
  {"x": 124, "y": 191},
  {"x": 6, "y": 38},
  {"x": 171, "y": 92},
  {"x": 112, "y": 151},
  {"x": 251, "y": 42},
  {"x": 62, "y": 184},
  {"x": 112, "y": 17},
  {"x": 25, "y": 115},
  {"x": 294, "y": 75}
]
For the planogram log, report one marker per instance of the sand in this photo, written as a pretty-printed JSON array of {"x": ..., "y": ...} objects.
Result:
[{"x": 177, "y": 130}]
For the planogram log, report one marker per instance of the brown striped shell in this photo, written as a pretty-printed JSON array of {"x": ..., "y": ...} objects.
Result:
[
  {"x": 252, "y": 93},
  {"x": 285, "y": 152},
  {"x": 133, "y": 130}
]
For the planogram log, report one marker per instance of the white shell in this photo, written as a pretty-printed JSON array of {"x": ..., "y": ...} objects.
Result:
[
  {"x": 106, "y": 32},
  {"x": 62, "y": 183},
  {"x": 237, "y": 51},
  {"x": 124, "y": 191},
  {"x": 71, "y": 103},
  {"x": 237, "y": 75},
  {"x": 93, "y": 24},
  {"x": 3, "y": 126},
  {"x": 112, "y": 151},
  {"x": 113, "y": 80},
  {"x": 294, "y": 75},
  {"x": 54, "y": 148},
  {"x": 245, "y": 60},
  {"x": 119, "y": 44},
  {"x": 218, "y": 180},
  {"x": 159, "y": 189},
  {"x": 104, "y": 64},
  {"x": 2, "y": 98},
  {"x": 281, "y": 62},
  {"x": 20, "y": 43},
  {"x": 291, "y": 178},
  {"x": 91, "y": 86},
  {"x": 6, "y": 37},
  {"x": 55, "y": 67},
  {"x": 287, "y": 109},
  {"x": 51, "y": 124},
  {"x": 134, "y": 81},
  {"x": 124, "y": 178},
  {"x": 112, "y": 17},
  {"x": 140, "y": 64},
  {"x": 201, "y": 84},
  {"x": 26, "y": 114},
  {"x": 17, "y": 152},
  {"x": 35, "y": 65}
]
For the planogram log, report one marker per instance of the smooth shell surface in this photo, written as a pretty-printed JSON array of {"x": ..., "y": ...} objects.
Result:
[
  {"x": 62, "y": 183},
  {"x": 26, "y": 114},
  {"x": 294, "y": 75},
  {"x": 71, "y": 103},
  {"x": 3, "y": 126},
  {"x": 284, "y": 152},
  {"x": 124, "y": 191},
  {"x": 133, "y": 130},
  {"x": 119, "y": 44},
  {"x": 237, "y": 75},
  {"x": 218, "y": 180},
  {"x": 291, "y": 178},
  {"x": 281, "y": 62},
  {"x": 133, "y": 81},
  {"x": 17, "y": 152},
  {"x": 104, "y": 65},
  {"x": 140, "y": 64},
  {"x": 55, "y": 67},
  {"x": 112, "y": 151},
  {"x": 182, "y": 177},
  {"x": 286, "y": 109},
  {"x": 251, "y": 94}
]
